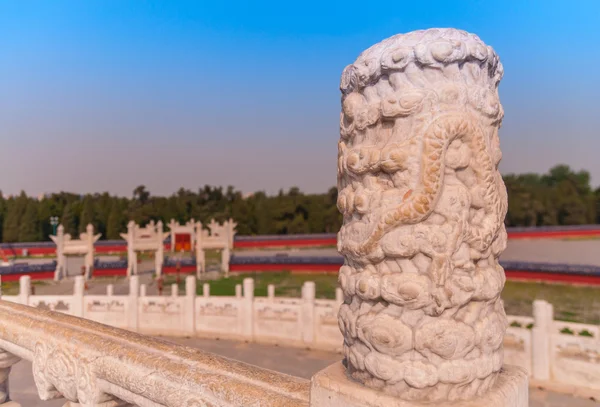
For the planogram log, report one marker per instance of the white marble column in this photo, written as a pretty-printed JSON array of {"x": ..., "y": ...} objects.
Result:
[
  {"x": 541, "y": 334},
  {"x": 423, "y": 205},
  {"x": 225, "y": 256},
  {"x": 308, "y": 312},
  {"x": 24, "y": 289},
  {"x": 134, "y": 295},
  {"x": 131, "y": 253},
  {"x": 200, "y": 255},
  {"x": 61, "y": 260}
]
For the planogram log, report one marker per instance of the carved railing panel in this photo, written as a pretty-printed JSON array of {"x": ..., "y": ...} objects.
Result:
[
  {"x": 327, "y": 331},
  {"x": 278, "y": 321},
  {"x": 219, "y": 315},
  {"x": 105, "y": 309}
]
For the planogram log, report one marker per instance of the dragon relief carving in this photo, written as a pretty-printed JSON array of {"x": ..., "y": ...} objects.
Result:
[{"x": 423, "y": 205}]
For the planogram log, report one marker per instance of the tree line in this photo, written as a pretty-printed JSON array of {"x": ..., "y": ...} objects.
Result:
[
  {"x": 26, "y": 219},
  {"x": 560, "y": 197}
]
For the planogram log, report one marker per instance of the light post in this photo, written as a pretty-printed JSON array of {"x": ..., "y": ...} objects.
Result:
[{"x": 54, "y": 223}]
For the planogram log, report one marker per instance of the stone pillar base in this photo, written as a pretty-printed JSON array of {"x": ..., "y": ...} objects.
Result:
[{"x": 331, "y": 387}]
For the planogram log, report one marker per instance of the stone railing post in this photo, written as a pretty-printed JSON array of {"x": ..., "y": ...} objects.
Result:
[
  {"x": 24, "y": 289},
  {"x": 134, "y": 291},
  {"x": 206, "y": 290},
  {"x": 271, "y": 292},
  {"x": 190, "y": 304},
  {"x": 110, "y": 290},
  {"x": 238, "y": 291},
  {"x": 159, "y": 255},
  {"x": 174, "y": 290},
  {"x": 78, "y": 293},
  {"x": 143, "y": 290},
  {"x": 339, "y": 295},
  {"x": 541, "y": 335},
  {"x": 225, "y": 255},
  {"x": 308, "y": 312},
  {"x": 247, "y": 309},
  {"x": 200, "y": 255},
  {"x": 423, "y": 207}
]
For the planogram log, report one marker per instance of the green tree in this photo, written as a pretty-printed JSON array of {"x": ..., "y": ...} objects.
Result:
[
  {"x": 29, "y": 229},
  {"x": 15, "y": 210},
  {"x": 115, "y": 222},
  {"x": 87, "y": 214},
  {"x": 3, "y": 209},
  {"x": 69, "y": 219}
]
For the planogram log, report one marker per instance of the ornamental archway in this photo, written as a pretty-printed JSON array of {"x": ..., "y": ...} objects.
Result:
[
  {"x": 66, "y": 246},
  {"x": 149, "y": 238}
]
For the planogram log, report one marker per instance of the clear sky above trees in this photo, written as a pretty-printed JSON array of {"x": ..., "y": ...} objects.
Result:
[{"x": 104, "y": 95}]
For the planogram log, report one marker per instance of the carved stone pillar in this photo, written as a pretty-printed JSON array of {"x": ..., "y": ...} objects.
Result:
[{"x": 423, "y": 205}]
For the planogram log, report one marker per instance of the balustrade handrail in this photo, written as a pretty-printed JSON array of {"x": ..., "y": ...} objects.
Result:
[{"x": 91, "y": 363}]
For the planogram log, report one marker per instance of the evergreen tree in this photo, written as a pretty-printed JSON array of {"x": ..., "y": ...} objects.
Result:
[
  {"x": 102, "y": 208},
  {"x": 114, "y": 228},
  {"x": 15, "y": 209},
  {"x": 2, "y": 213},
  {"x": 69, "y": 220},
  {"x": 29, "y": 228},
  {"x": 87, "y": 214}
]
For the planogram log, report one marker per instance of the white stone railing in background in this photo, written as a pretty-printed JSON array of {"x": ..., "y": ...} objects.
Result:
[
  {"x": 304, "y": 321},
  {"x": 551, "y": 351}
]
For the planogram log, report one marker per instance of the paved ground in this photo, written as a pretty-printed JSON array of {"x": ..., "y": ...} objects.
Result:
[
  {"x": 544, "y": 251},
  {"x": 539, "y": 250},
  {"x": 297, "y": 362}
]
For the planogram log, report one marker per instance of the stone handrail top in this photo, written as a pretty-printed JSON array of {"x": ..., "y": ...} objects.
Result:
[{"x": 144, "y": 371}]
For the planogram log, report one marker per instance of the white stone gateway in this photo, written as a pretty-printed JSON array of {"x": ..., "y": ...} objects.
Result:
[
  {"x": 67, "y": 246},
  {"x": 149, "y": 238},
  {"x": 424, "y": 206},
  {"x": 176, "y": 228},
  {"x": 220, "y": 237}
]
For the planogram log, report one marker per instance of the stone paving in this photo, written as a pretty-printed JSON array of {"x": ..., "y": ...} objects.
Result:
[
  {"x": 297, "y": 362},
  {"x": 535, "y": 250}
]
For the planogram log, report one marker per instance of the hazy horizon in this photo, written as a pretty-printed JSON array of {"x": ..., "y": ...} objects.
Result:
[{"x": 107, "y": 95}]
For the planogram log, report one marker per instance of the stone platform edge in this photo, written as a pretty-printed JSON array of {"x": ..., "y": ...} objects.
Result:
[{"x": 331, "y": 387}]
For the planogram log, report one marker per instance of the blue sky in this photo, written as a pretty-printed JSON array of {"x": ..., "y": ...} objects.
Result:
[{"x": 107, "y": 95}]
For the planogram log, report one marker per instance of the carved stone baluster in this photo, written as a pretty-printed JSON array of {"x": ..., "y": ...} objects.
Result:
[
  {"x": 424, "y": 206},
  {"x": 7, "y": 360}
]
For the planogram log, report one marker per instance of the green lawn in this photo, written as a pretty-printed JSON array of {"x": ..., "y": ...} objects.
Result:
[
  {"x": 286, "y": 284},
  {"x": 571, "y": 303},
  {"x": 12, "y": 287}
]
